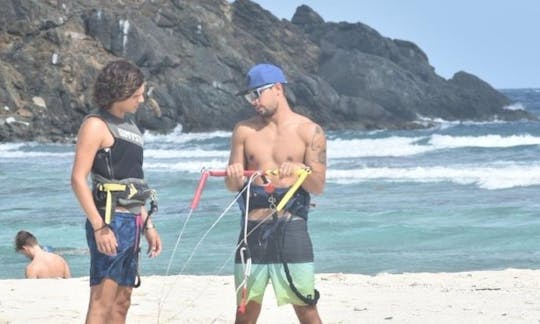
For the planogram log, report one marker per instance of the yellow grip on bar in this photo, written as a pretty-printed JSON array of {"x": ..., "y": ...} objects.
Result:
[{"x": 302, "y": 175}]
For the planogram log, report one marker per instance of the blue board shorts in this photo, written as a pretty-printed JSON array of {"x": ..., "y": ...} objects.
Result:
[
  {"x": 267, "y": 262},
  {"x": 122, "y": 267}
]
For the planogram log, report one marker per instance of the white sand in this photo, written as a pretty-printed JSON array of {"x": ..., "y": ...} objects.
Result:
[{"x": 509, "y": 296}]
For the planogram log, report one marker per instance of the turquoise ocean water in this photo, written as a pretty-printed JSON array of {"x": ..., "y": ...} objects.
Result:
[{"x": 455, "y": 197}]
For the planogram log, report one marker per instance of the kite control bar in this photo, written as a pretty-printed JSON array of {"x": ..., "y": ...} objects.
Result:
[{"x": 302, "y": 174}]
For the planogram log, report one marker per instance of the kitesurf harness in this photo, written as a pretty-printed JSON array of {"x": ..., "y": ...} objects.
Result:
[
  {"x": 117, "y": 175},
  {"x": 129, "y": 193},
  {"x": 294, "y": 200},
  {"x": 260, "y": 197}
]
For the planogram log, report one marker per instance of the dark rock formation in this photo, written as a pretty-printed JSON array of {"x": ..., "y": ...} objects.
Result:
[{"x": 195, "y": 54}]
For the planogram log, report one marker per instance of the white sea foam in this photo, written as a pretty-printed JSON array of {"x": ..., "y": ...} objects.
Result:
[
  {"x": 490, "y": 177},
  {"x": 21, "y": 154},
  {"x": 405, "y": 146},
  {"x": 440, "y": 123},
  {"x": 515, "y": 106},
  {"x": 177, "y": 137},
  {"x": 17, "y": 150},
  {"x": 487, "y": 141},
  {"x": 5, "y": 147},
  {"x": 174, "y": 154},
  {"x": 377, "y": 147}
]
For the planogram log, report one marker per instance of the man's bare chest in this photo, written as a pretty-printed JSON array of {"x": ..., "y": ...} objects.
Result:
[{"x": 274, "y": 148}]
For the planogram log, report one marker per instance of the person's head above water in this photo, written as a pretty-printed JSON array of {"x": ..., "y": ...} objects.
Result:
[{"x": 24, "y": 238}]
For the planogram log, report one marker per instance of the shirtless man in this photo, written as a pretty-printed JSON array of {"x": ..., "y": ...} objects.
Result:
[
  {"x": 279, "y": 247},
  {"x": 43, "y": 264}
]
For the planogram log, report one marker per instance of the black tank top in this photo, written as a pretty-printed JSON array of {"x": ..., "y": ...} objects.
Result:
[{"x": 124, "y": 159}]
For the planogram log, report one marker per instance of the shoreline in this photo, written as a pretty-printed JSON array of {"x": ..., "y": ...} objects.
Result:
[{"x": 505, "y": 296}]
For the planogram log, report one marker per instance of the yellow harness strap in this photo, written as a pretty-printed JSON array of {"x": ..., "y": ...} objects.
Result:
[
  {"x": 302, "y": 175},
  {"x": 132, "y": 191},
  {"x": 109, "y": 188}
]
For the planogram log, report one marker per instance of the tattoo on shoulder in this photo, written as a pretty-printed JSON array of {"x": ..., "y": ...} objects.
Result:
[
  {"x": 316, "y": 138},
  {"x": 317, "y": 144},
  {"x": 322, "y": 156}
]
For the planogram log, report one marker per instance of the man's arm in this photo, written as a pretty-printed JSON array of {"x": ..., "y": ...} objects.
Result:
[
  {"x": 315, "y": 159},
  {"x": 235, "y": 170}
]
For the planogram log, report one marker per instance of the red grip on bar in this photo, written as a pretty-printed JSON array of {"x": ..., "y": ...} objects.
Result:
[
  {"x": 202, "y": 181},
  {"x": 223, "y": 173},
  {"x": 198, "y": 192}
]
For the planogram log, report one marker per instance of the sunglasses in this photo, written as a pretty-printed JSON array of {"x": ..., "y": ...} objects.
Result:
[{"x": 256, "y": 93}]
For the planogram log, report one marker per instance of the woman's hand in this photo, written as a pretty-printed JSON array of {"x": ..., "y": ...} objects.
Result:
[
  {"x": 106, "y": 240},
  {"x": 154, "y": 242}
]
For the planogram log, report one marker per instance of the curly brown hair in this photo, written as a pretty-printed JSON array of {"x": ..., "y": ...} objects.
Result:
[{"x": 117, "y": 81}]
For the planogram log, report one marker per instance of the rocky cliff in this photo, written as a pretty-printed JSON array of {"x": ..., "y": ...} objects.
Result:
[{"x": 195, "y": 54}]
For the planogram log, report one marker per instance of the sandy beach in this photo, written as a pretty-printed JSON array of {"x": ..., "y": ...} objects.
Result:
[{"x": 509, "y": 296}]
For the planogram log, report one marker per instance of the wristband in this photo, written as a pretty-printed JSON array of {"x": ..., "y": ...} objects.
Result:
[{"x": 102, "y": 227}]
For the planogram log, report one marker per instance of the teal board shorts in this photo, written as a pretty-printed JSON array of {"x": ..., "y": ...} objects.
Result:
[
  {"x": 261, "y": 274},
  {"x": 268, "y": 249}
]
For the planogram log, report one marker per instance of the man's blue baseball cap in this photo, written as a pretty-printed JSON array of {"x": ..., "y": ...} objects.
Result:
[{"x": 262, "y": 74}]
